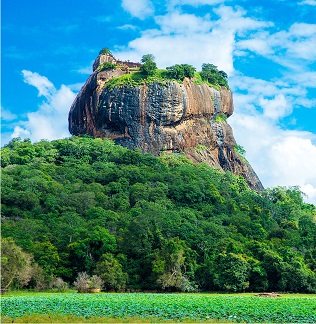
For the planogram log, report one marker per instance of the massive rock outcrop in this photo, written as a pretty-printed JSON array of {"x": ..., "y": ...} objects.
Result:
[{"x": 161, "y": 117}]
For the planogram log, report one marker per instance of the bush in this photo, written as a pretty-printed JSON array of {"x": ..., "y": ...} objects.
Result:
[
  {"x": 107, "y": 66},
  {"x": 84, "y": 283},
  {"x": 221, "y": 117},
  {"x": 81, "y": 283},
  {"x": 60, "y": 284},
  {"x": 95, "y": 282},
  {"x": 181, "y": 71}
]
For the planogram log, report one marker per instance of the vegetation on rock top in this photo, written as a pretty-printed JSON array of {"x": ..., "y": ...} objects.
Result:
[{"x": 149, "y": 73}]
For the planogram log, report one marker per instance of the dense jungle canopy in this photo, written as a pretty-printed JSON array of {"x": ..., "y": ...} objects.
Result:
[{"x": 148, "y": 223}]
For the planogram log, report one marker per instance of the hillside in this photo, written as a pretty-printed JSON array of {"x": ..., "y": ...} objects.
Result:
[{"x": 151, "y": 223}]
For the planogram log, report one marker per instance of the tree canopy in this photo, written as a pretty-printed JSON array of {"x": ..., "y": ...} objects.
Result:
[
  {"x": 180, "y": 71},
  {"x": 149, "y": 65},
  {"x": 211, "y": 74},
  {"x": 143, "y": 222}
]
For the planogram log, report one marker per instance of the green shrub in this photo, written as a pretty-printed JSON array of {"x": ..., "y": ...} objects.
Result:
[
  {"x": 180, "y": 71},
  {"x": 149, "y": 66},
  {"x": 107, "y": 66},
  {"x": 212, "y": 75},
  {"x": 105, "y": 50},
  {"x": 221, "y": 117},
  {"x": 239, "y": 149}
]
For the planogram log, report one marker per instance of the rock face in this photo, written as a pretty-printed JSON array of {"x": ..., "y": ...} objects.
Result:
[{"x": 169, "y": 117}]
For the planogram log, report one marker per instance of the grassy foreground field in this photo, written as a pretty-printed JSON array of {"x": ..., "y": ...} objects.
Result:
[{"x": 142, "y": 307}]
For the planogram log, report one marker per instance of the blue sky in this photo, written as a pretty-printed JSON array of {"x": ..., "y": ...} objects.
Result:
[{"x": 268, "y": 49}]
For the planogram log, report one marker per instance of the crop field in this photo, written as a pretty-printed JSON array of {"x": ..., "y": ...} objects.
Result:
[{"x": 162, "y": 307}]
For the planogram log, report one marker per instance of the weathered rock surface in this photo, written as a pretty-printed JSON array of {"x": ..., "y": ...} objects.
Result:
[{"x": 170, "y": 117}]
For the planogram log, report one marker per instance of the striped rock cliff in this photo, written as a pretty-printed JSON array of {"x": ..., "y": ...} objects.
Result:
[{"x": 156, "y": 117}]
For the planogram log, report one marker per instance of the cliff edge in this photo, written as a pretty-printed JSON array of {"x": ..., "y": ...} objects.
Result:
[{"x": 160, "y": 117}]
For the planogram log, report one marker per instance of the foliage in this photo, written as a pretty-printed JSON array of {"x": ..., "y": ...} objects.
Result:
[
  {"x": 81, "y": 282},
  {"x": 15, "y": 264},
  {"x": 181, "y": 71},
  {"x": 162, "y": 307},
  {"x": 221, "y": 117},
  {"x": 84, "y": 282},
  {"x": 107, "y": 66},
  {"x": 105, "y": 50},
  {"x": 141, "y": 222},
  {"x": 168, "y": 264},
  {"x": 149, "y": 66},
  {"x": 59, "y": 284},
  {"x": 137, "y": 78},
  {"x": 111, "y": 272},
  {"x": 240, "y": 149},
  {"x": 212, "y": 75},
  {"x": 148, "y": 73}
]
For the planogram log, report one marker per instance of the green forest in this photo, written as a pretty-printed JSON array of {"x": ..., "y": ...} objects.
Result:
[{"x": 145, "y": 223}]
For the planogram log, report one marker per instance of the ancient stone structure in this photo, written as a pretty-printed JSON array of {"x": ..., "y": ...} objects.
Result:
[
  {"x": 110, "y": 58},
  {"x": 155, "y": 117}
]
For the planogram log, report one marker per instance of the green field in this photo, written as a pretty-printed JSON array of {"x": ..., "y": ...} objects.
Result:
[{"x": 74, "y": 307}]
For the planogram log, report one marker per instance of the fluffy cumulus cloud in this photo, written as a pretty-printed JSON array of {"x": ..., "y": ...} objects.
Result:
[
  {"x": 41, "y": 83},
  {"x": 140, "y": 9},
  {"x": 50, "y": 120},
  {"x": 279, "y": 156},
  {"x": 286, "y": 47},
  {"x": 193, "y": 39}
]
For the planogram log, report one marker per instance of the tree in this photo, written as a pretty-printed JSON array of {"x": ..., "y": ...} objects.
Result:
[
  {"x": 149, "y": 66},
  {"x": 180, "y": 71},
  {"x": 232, "y": 272},
  {"x": 105, "y": 50},
  {"x": 16, "y": 265},
  {"x": 46, "y": 254},
  {"x": 111, "y": 272},
  {"x": 168, "y": 265},
  {"x": 211, "y": 74},
  {"x": 107, "y": 66}
]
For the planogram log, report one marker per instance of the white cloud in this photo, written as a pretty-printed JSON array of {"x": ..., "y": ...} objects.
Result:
[
  {"x": 178, "y": 23},
  {"x": 308, "y": 2},
  {"x": 284, "y": 47},
  {"x": 20, "y": 132},
  {"x": 50, "y": 120},
  {"x": 275, "y": 98},
  {"x": 7, "y": 115},
  {"x": 140, "y": 9},
  {"x": 75, "y": 86},
  {"x": 192, "y": 39},
  {"x": 275, "y": 108},
  {"x": 41, "y": 83},
  {"x": 234, "y": 19},
  {"x": 279, "y": 157},
  {"x": 305, "y": 79},
  {"x": 127, "y": 27}
]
